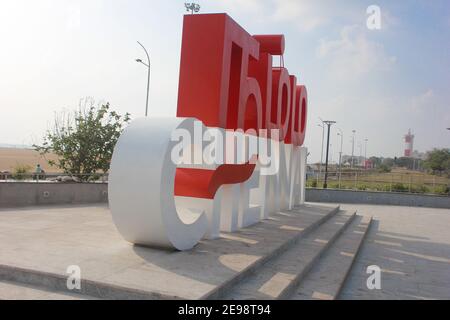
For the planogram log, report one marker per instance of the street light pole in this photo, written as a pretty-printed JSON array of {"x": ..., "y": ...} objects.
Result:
[
  {"x": 353, "y": 147},
  {"x": 331, "y": 153},
  {"x": 321, "y": 151},
  {"x": 148, "y": 75},
  {"x": 360, "y": 152},
  {"x": 365, "y": 153},
  {"x": 340, "y": 133},
  {"x": 328, "y": 123}
]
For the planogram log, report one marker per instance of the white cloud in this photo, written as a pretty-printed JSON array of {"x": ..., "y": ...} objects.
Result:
[
  {"x": 256, "y": 7},
  {"x": 307, "y": 15},
  {"x": 354, "y": 53}
]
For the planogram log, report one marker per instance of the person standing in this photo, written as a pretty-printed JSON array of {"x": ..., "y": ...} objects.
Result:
[{"x": 38, "y": 172}]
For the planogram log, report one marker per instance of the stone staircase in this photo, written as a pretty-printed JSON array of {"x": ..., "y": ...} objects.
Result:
[
  {"x": 315, "y": 267},
  {"x": 305, "y": 253}
]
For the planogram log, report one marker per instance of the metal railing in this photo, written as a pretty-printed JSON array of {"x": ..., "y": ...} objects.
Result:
[
  {"x": 371, "y": 180},
  {"x": 367, "y": 180},
  {"x": 53, "y": 177}
]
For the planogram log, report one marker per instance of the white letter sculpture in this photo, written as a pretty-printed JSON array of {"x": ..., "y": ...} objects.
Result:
[
  {"x": 142, "y": 196},
  {"x": 141, "y": 187}
]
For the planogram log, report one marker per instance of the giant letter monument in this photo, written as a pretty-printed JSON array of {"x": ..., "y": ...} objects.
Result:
[{"x": 232, "y": 155}]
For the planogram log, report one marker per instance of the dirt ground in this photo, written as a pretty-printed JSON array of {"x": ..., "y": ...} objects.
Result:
[{"x": 12, "y": 157}]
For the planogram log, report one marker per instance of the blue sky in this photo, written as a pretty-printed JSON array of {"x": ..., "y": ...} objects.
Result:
[{"x": 377, "y": 82}]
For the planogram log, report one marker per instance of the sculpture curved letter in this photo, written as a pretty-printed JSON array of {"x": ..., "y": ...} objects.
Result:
[{"x": 141, "y": 187}]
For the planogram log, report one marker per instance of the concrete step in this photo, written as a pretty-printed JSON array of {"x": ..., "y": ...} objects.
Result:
[
  {"x": 297, "y": 233},
  {"x": 326, "y": 279},
  {"x": 280, "y": 276},
  {"x": 38, "y": 281},
  {"x": 112, "y": 269},
  {"x": 19, "y": 291}
]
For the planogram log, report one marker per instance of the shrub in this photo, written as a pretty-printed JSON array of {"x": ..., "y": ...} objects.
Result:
[
  {"x": 442, "y": 190},
  {"x": 84, "y": 140},
  {"x": 362, "y": 187},
  {"x": 21, "y": 172},
  {"x": 399, "y": 187},
  {"x": 334, "y": 185},
  {"x": 420, "y": 189},
  {"x": 383, "y": 168}
]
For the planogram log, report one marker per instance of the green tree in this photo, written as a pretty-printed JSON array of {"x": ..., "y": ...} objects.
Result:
[
  {"x": 384, "y": 168},
  {"x": 406, "y": 162},
  {"x": 84, "y": 140},
  {"x": 389, "y": 162},
  {"x": 438, "y": 161},
  {"x": 376, "y": 161}
]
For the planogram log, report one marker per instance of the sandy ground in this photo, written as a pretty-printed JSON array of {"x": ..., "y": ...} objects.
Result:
[{"x": 11, "y": 157}]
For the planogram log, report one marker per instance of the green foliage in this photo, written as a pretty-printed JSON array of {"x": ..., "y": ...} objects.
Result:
[
  {"x": 376, "y": 161},
  {"x": 21, "y": 172},
  {"x": 438, "y": 161},
  {"x": 399, "y": 187},
  {"x": 383, "y": 168},
  {"x": 84, "y": 140},
  {"x": 442, "y": 189},
  {"x": 408, "y": 163},
  {"x": 389, "y": 162},
  {"x": 362, "y": 187},
  {"x": 333, "y": 185},
  {"x": 314, "y": 184},
  {"x": 419, "y": 189}
]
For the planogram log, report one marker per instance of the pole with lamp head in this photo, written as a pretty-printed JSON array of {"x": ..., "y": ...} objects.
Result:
[{"x": 148, "y": 75}]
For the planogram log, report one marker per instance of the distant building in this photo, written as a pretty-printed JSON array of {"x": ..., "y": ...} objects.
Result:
[
  {"x": 357, "y": 160},
  {"x": 368, "y": 164}
]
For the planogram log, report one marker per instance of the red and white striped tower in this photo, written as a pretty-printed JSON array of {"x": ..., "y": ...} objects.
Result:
[{"x": 409, "y": 144}]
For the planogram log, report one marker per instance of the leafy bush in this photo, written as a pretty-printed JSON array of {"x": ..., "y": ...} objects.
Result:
[
  {"x": 21, "y": 172},
  {"x": 84, "y": 140},
  {"x": 383, "y": 168},
  {"x": 399, "y": 187},
  {"x": 420, "y": 189},
  {"x": 333, "y": 185},
  {"x": 442, "y": 190}
]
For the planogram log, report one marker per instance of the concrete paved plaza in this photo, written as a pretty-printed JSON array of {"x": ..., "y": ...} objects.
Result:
[
  {"x": 410, "y": 245},
  {"x": 412, "y": 248},
  {"x": 50, "y": 239}
]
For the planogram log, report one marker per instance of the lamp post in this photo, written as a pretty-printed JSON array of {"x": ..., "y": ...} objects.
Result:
[
  {"x": 321, "y": 150},
  {"x": 192, "y": 7},
  {"x": 148, "y": 75},
  {"x": 331, "y": 153},
  {"x": 365, "y": 153},
  {"x": 360, "y": 152},
  {"x": 328, "y": 123},
  {"x": 353, "y": 147},
  {"x": 340, "y": 133}
]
